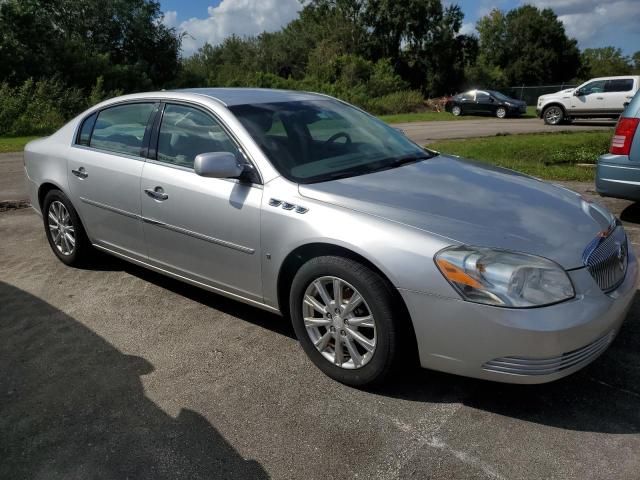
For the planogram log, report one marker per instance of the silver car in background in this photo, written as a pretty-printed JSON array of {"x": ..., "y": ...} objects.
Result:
[
  {"x": 618, "y": 173},
  {"x": 380, "y": 251}
]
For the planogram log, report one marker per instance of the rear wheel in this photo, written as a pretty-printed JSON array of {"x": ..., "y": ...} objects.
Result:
[
  {"x": 343, "y": 316},
  {"x": 64, "y": 230},
  {"x": 553, "y": 115},
  {"x": 456, "y": 110}
]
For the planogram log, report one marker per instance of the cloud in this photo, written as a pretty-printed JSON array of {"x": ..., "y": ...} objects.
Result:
[
  {"x": 239, "y": 17},
  {"x": 170, "y": 19},
  {"x": 594, "y": 22},
  {"x": 468, "y": 28}
]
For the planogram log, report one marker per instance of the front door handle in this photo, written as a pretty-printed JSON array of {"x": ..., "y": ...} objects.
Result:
[
  {"x": 156, "y": 193},
  {"x": 80, "y": 173},
  {"x": 600, "y": 98}
]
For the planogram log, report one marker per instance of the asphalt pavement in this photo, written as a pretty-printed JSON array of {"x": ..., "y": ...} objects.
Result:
[
  {"x": 115, "y": 372},
  {"x": 427, "y": 132}
]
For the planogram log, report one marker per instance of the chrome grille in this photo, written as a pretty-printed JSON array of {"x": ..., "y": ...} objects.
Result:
[
  {"x": 606, "y": 259},
  {"x": 546, "y": 366}
]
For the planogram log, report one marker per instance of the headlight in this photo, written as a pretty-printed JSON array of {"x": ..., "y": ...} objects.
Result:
[{"x": 504, "y": 278}]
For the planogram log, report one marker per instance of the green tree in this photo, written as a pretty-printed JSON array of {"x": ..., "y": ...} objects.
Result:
[
  {"x": 605, "y": 61},
  {"x": 124, "y": 41},
  {"x": 636, "y": 62},
  {"x": 528, "y": 45},
  {"x": 422, "y": 39}
]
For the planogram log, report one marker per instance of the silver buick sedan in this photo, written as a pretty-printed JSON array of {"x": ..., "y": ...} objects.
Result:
[{"x": 380, "y": 251}]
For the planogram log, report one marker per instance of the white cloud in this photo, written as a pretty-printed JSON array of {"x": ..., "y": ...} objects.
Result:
[
  {"x": 593, "y": 21},
  {"x": 468, "y": 28},
  {"x": 239, "y": 17},
  {"x": 170, "y": 18}
]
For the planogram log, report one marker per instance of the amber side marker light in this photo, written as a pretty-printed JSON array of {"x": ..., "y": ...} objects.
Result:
[{"x": 623, "y": 136}]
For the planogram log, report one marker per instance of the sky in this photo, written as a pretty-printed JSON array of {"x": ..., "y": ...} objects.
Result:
[{"x": 594, "y": 23}]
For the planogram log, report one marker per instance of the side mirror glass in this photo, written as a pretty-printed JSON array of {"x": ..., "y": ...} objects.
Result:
[{"x": 217, "y": 165}]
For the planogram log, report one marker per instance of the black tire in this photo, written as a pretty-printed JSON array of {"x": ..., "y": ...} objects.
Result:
[
  {"x": 456, "y": 110},
  {"x": 501, "y": 112},
  {"x": 82, "y": 250},
  {"x": 377, "y": 294},
  {"x": 553, "y": 115}
]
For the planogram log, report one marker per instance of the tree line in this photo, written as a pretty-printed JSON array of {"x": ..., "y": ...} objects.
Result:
[{"x": 59, "y": 56}]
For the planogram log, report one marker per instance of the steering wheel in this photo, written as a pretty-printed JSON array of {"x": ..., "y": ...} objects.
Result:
[{"x": 338, "y": 135}]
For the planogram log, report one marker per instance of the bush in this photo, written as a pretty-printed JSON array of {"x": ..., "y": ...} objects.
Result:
[
  {"x": 405, "y": 101},
  {"x": 40, "y": 108}
]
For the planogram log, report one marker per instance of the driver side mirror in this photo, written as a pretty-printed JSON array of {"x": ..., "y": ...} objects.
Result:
[
  {"x": 577, "y": 93},
  {"x": 217, "y": 165}
]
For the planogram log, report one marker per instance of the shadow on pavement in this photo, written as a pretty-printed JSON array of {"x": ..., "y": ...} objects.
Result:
[
  {"x": 73, "y": 406},
  {"x": 603, "y": 397},
  {"x": 262, "y": 318},
  {"x": 631, "y": 213}
]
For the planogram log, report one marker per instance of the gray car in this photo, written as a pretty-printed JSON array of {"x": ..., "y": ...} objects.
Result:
[
  {"x": 380, "y": 251},
  {"x": 618, "y": 173}
]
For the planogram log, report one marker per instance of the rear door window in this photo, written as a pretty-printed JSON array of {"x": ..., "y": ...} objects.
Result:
[
  {"x": 121, "y": 128},
  {"x": 186, "y": 132},
  {"x": 619, "y": 85}
]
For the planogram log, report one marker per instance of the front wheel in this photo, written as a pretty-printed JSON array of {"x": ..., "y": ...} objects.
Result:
[
  {"x": 456, "y": 111},
  {"x": 501, "y": 112},
  {"x": 553, "y": 115},
  {"x": 343, "y": 316}
]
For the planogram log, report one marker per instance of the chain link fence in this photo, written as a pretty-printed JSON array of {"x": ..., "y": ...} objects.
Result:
[{"x": 530, "y": 94}]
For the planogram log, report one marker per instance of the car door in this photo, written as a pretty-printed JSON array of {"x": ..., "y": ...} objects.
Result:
[
  {"x": 484, "y": 103},
  {"x": 205, "y": 229},
  {"x": 590, "y": 99},
  {"x": 617, "y": 92},
  {"x": 104, "y": 175}
]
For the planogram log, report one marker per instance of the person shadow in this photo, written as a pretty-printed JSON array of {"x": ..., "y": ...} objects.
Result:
[{"x": 73, "y": 406}]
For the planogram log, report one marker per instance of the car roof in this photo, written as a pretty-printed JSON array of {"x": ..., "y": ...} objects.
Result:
[{"x": 243, "y": 96}]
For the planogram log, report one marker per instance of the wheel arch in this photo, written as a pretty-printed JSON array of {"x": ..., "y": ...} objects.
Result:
[
  {"x": 303, "y": 253},
  {"x": 554, "y": 104},
  {"x": 45, "y": 188}
]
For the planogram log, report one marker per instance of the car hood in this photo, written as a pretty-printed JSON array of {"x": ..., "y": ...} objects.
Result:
[{"x": 475, "y": 204}]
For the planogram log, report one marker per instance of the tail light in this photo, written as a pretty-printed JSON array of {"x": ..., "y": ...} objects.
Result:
[{"x": 623, "y": 136}]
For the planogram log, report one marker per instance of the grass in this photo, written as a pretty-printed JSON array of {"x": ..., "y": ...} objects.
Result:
[
  {"x": 440, "y": 116},
  {"x": 14, "y": 144},
  {"x": 552, "y": 156}
]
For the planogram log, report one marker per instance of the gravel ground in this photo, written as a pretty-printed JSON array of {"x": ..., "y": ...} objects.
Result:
[{"x": 115, "y": 372}]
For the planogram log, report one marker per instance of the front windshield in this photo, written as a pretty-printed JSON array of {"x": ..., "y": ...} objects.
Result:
[
  {"x": 500, "y": 96},
  {"x": 319, "y": 140}
]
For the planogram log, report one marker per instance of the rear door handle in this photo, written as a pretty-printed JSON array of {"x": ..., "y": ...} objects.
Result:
[
  {"x": 156, "y": 193},
  {"x": 80, "y": 173},
  {"x": 600, "y": 98}
]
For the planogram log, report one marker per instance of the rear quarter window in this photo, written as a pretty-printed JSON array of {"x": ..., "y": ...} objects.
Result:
[
  {"x": 620, "y": 85},
  {"x": 84, "y": 134}
]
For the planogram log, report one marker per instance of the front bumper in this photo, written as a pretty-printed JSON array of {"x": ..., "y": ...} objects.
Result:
[{"x": 534, "y": 345}]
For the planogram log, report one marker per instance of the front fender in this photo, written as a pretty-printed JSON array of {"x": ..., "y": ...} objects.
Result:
[{"x": 402, "y": 253}]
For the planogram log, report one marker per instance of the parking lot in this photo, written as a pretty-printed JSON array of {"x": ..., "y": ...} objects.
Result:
[{"x": 117, "y": 372}]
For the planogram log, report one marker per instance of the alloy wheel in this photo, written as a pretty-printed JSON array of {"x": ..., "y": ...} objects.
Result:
[
  {"x": 553, "y": 115},
  {"x": 456, "y": 111},
  {"x": 501, "y": 113},
  {"x": 339, "y": 322},
  {"x": 61, "y": 228}
]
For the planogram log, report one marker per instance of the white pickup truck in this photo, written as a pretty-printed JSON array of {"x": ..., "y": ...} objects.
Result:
[{"x": 598, "y": 98}]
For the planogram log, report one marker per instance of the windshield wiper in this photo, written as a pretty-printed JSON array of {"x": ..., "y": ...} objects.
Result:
[{"x": 406, "y": 160}]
